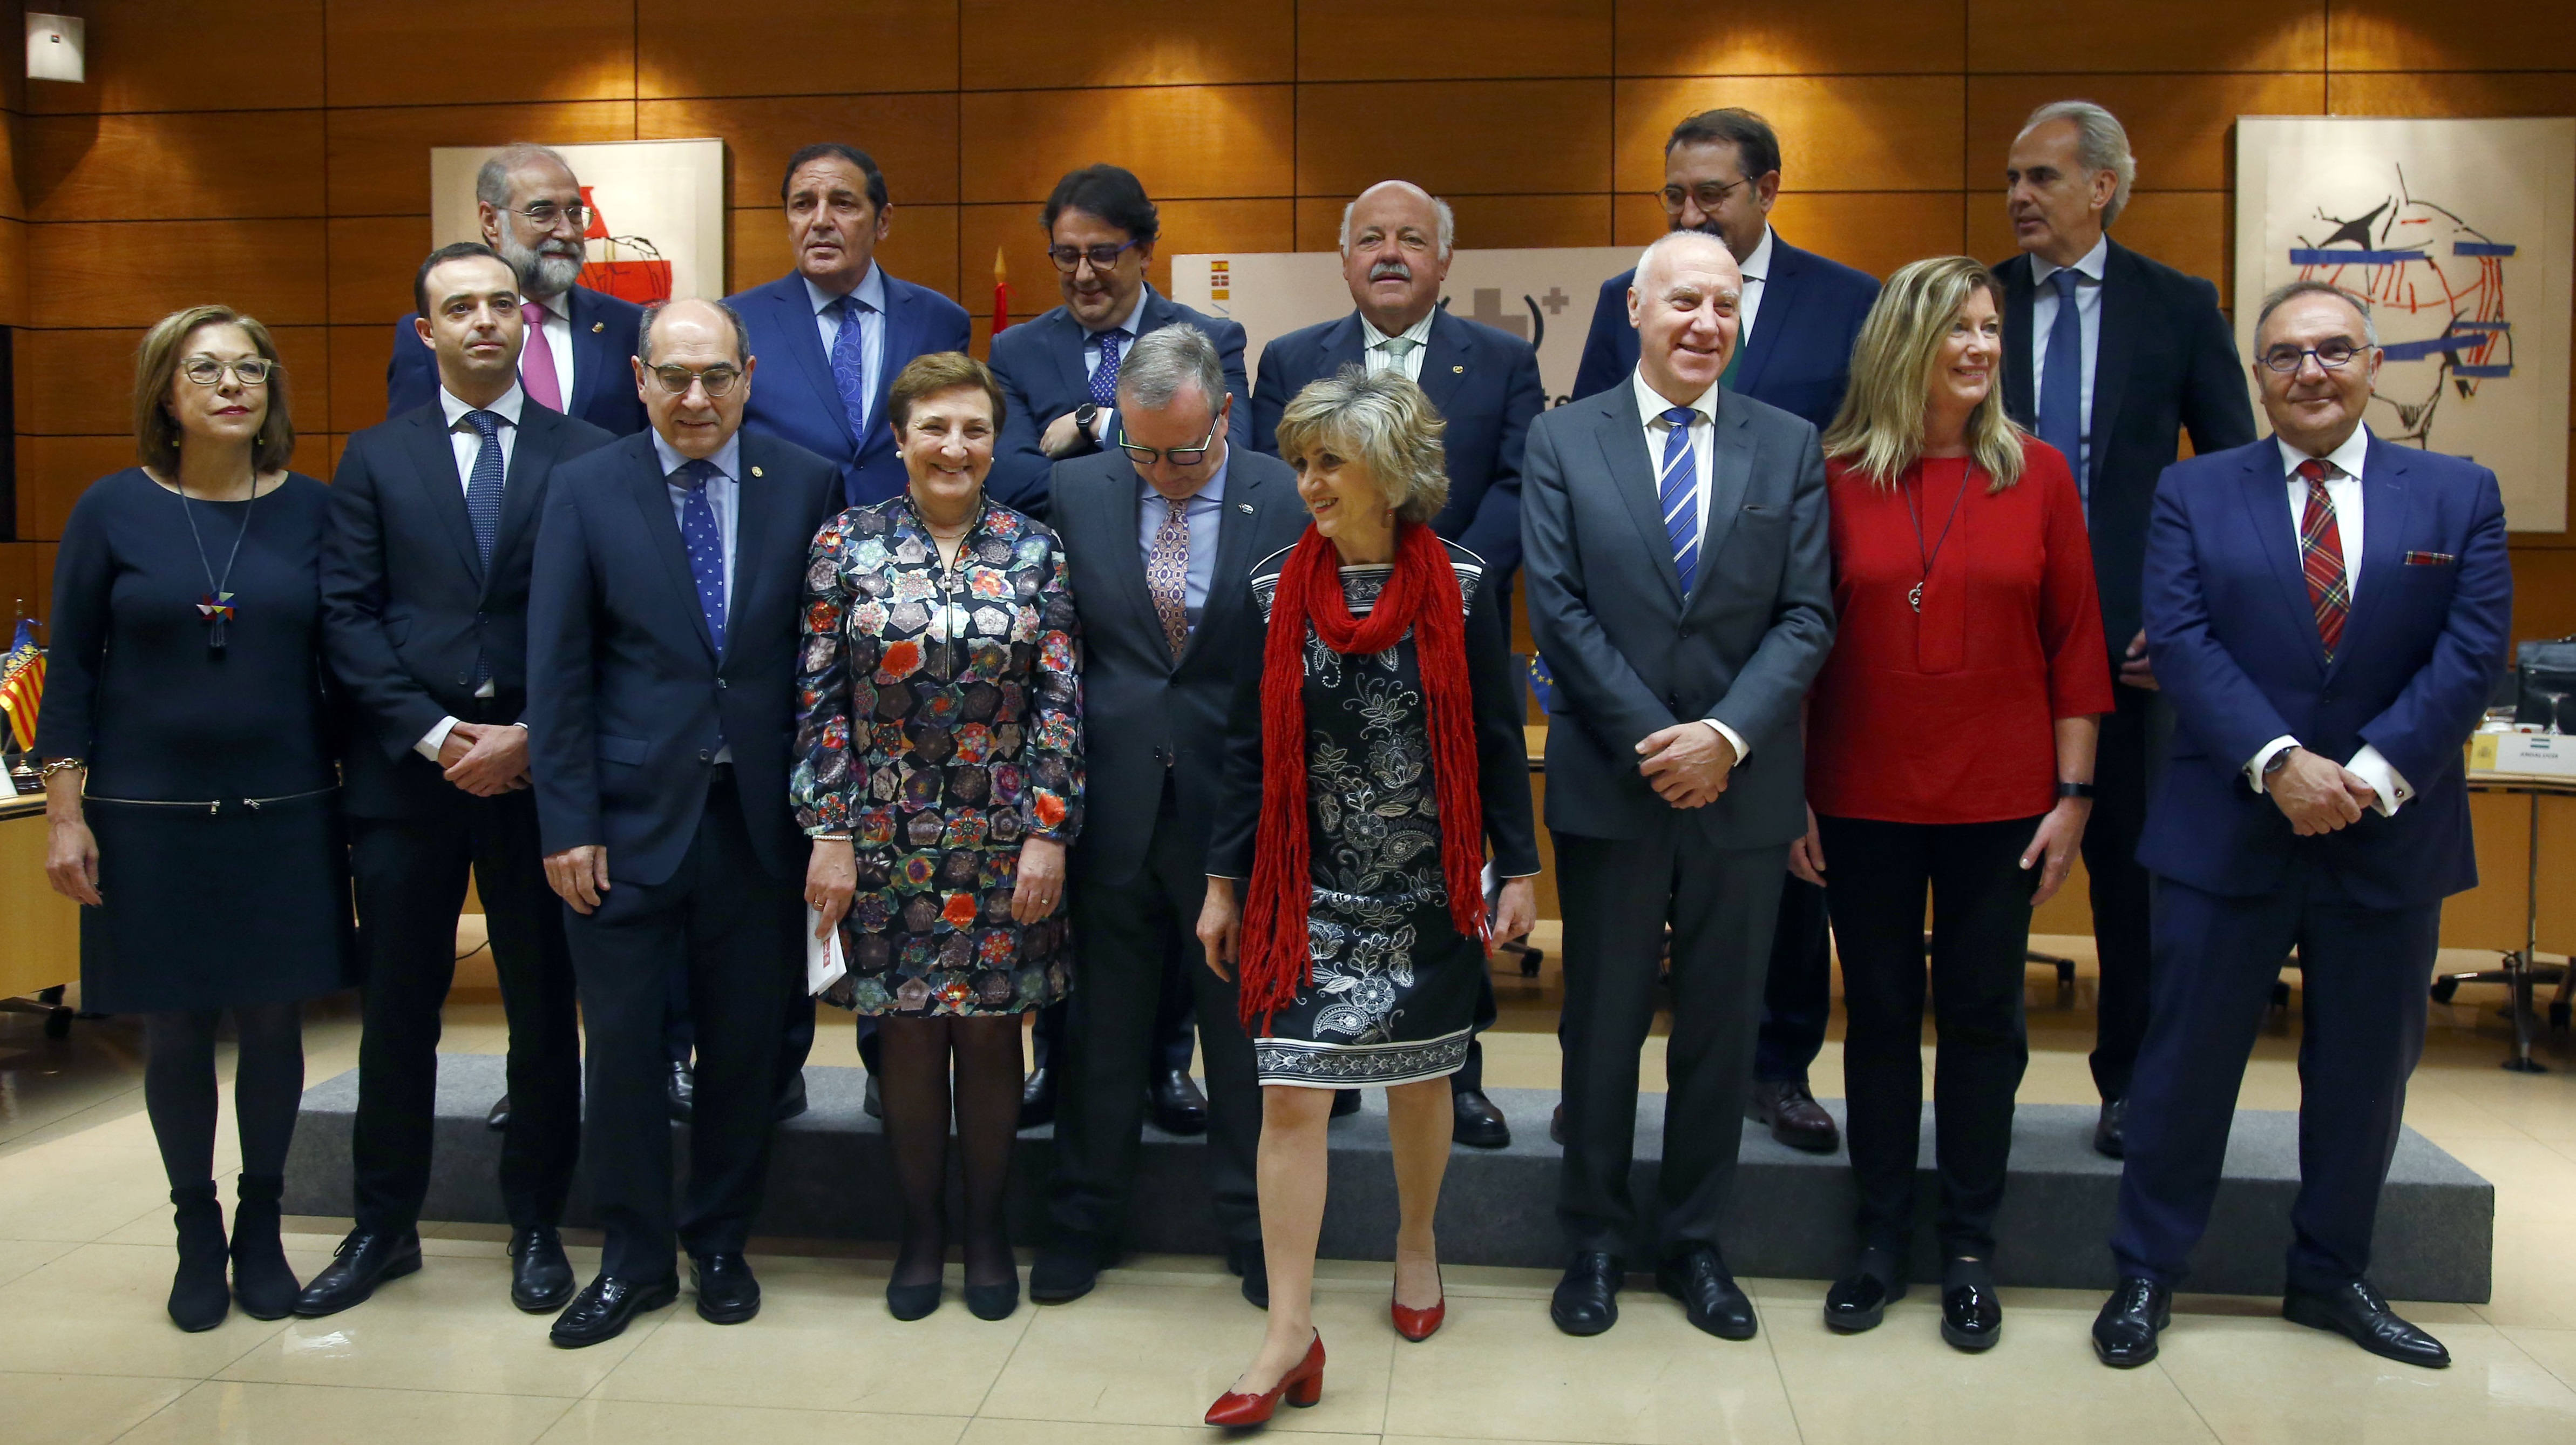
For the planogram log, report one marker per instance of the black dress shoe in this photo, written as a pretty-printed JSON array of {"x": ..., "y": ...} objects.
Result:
[
  {"x": 1859, "y": 1300},
  {"x": 2110, "y": 1132},
  {"x": 791, "y": 1100},
  {"x": 1248, "y": 1261},
  {"x": 1480, "y": 1125},
  {"x": 2124, "y": 1333},
  {"x": 1346, "y": 1102},
  {"x": 1177, "y": 1106},
  {"x": 727, "y": 1292},
  {"x": 684, "y": 1096},
  {"x": 1708, "y": 1294},
  {"x": 1037, "y": 1097},
  {"x": 1972, "y": 1317},
  {"x": 499, "y": 1118},
  {"x": 605, "y": 1305},
  {"x": 1796, "y": 1119},
  {"x": 363, "y": 1261},
  {"x": 1586, "y": 1301},
  {"x": 1066, "y": 1270},
  {"x": 2359, "y": 1314},
  {"x": 540, "y": 1276},
  {"x": 869, "y": 1101},
  {"x": 1556, "y": 1126}
]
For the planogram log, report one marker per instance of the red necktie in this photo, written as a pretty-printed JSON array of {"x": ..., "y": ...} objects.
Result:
[{"x": 2321, "y": 555}]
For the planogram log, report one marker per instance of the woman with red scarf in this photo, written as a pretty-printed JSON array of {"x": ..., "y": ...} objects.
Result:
[{"x": 1377, "y": 750}]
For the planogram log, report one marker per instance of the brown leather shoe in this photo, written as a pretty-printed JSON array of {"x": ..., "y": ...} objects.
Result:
[{"x": 1796, "y": 1119}]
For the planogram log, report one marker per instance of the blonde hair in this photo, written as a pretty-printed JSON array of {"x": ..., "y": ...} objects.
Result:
[
  {"x": 1880, "y": 427},
  {"x": 156, "y": 367},
  {"x": 1385, "y": 423}
]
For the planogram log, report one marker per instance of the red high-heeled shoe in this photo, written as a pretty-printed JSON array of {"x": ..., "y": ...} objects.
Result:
[
  {"x": 1418, "y": 1325},
  {"x": 1301, "y": 1387}
]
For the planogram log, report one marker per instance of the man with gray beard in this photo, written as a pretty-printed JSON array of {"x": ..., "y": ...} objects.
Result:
[{"x": 532, "y": 211}]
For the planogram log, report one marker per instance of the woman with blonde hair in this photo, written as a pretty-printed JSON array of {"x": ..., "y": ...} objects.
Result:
[
  {"x": 1376, "y": 751},
  {"x": 1950, "y": 748}
]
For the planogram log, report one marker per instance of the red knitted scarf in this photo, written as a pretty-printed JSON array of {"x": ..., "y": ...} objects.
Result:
[{"x": 1421, "y": 594}]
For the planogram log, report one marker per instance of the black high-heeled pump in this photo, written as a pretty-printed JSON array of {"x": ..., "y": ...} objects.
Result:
[
  {"x": 994, "y": 1301},
  {"x": 910, "y": 1302}
]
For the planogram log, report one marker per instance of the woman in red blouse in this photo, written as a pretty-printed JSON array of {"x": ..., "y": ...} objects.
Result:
[{"x": 1950, "y": 747}]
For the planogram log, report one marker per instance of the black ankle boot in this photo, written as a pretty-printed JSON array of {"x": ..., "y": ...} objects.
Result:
[
  {"x": 262, "y": 1279},
  {"x": 199, "y": 1298}
]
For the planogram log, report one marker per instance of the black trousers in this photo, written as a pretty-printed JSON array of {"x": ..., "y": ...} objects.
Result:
[
  {"x": 1798, "y": 991},
  {"x": 2125, "y": 768},
  {"x": 1876, "y": 874},
  {"x": 733, "y": 928},
  {"x": 1167, "y": 1047},
  {"x": 410, "y": 875},
  {"x": 1618, "y": 896},
  {"x": 1129, "y": 939}
]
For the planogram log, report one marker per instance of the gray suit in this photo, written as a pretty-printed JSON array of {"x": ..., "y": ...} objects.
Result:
[{"x": 1630, "y": 655}]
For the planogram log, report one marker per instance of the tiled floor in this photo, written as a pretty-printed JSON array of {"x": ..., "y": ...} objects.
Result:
[{"x": 87, "y": 1355}]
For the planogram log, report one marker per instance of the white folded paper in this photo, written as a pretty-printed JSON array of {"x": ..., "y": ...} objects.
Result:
[{"x": 823, "y": 965}]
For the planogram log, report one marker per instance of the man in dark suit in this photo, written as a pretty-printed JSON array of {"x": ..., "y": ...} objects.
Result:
[
  {"x": 1059, "y": 373},
  {"x": 2141, "y": 355},
  {"x": 533, "y": 214},
  {"x": 1722, "y": 177},
  {"x": 1680, "y": 589},
  {"x": 1161, "y": 535},
  {"x": 2327, "y": 613},
  {"x": 662, "y": 649},
  {"x": 425, "y": 594},
  {"x": 838, "y": 329},
  {"x": 1396, "y": 240}
]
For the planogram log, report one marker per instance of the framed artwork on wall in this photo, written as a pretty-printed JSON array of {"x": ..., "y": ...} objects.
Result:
[{"x": 657, "y": 226}]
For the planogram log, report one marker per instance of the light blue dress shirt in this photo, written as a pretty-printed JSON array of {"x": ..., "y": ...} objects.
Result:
[
  {"x": 1205, "y": 512},
  {"x": 2088, "y": 317}
]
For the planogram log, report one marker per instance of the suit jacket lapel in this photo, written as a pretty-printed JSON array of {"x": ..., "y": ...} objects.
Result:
[
  {"x": 1730, "y": 473},
  {"x": 1621, "y": 433},
  {"x": 1124, "y": 509},
  {"x": 1445, "y": 360},
  {"x": 759, "y": 509},
  {"x": 795, "y": 320},
  {"x": 1237, "y": 520},
  {"x": 652, "y": 494},
  {"x": 2123, "y": 300},
  {"x": 434, "y": 458},
  {"x": 1780, "y": 294},
  {"x": 2020, "y": 401},
  {"x": 2267, "y": 513},
  {"x": 2387, "y": 507},
  {"x": 530, "y": 457},
  {"x": 593, "y": 362},
  {"x": 1067, "y": 345},
  {"x": 900, "y": 330},
  {"x": 1344, "y": 345}
]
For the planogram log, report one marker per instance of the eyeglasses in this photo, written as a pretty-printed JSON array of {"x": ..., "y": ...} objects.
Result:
[
  {"x": 718, "y": 380},
  {"x": 1067, "y": 258},
  {"x": 1709, "y": 194},
  {"x": 207, "y": 371},
  {"x": 543, "y": 215},
  {"x": 2332, "y": 355},
  {"x": 1177, "y": 456}
]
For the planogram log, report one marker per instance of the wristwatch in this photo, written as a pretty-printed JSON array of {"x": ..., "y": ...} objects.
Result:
[
  {"x": 1084, "y": 415},
  {"x": 2278, "y": 760},
  {"x": 2075, "y": 790}
]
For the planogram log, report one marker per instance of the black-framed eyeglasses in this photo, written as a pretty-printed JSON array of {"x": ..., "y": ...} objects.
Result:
[
  {"x": 544, "y": 214},
  {"x": 2332, "y": 355},
  {"x": 207, "y": 371},
  {"x": 1177, "y": 456},
  {"x": 1069, "y": 258},
  {"x": 718, "y": 380},
  {"x": 1709, "y": 194}
]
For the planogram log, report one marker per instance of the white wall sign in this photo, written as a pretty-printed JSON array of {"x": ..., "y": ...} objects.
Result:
[
  {"x": 660, "y": 230},
  {"x": 57, "y": 47}
]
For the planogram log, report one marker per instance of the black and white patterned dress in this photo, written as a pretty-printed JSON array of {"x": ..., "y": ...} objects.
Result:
[{"x": 1394, "y": 993}]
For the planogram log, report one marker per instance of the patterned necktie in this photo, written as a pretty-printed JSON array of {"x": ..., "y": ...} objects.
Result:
[
  {"x": 483, "y": 503},
  {"x": 705, "y": 542},
  {"x": 2321, "y": 555},
  {"x": 1679, "y": 490},
  {"x": 850, "y": 364},
  {"x": 1167, "y": 574},
  {"x": 2061, "y": 383},
  {"x": 537, "y": 360},
  {"x": 1104, "y": 378},
  {"x": 1395, "y": 349}
]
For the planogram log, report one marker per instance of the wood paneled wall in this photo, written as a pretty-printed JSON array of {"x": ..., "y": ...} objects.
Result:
[{"x": 273, "y": 153}]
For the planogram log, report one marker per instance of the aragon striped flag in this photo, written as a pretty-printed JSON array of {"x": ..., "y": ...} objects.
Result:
[{"x": 22, "y": 685}]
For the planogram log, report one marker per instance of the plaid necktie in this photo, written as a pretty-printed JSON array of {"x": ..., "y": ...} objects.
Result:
[
  {"x": 1167, "y": 575},
  {"x": 1679, "y": 490},
  {"x": 705, "y": 543},
  {"x": 1104, "y": 378},
  {"x": 2321, "y": 555}
]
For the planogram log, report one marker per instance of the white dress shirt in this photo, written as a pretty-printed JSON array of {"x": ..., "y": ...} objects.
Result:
[
  {"x": 1756, "y": 268},
  {"x": 2088, "y": 320},
  {"x": 1376, "y": 357},
  {"x": 2345, "y": 493},
  {"x": 1703, "y": 430},
  {"x": 556, "y": 329},
  {"x": 871, "y": 293},
  {"x": 468, "y": 444},
  {"x": 1126, "y": 325}
]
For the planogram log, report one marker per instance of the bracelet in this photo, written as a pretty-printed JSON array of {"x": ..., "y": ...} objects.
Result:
[
  {"x": 2075, "y": 790},
  {"x": 61, "y": 765},
  {"x": 831, "y": 837}
]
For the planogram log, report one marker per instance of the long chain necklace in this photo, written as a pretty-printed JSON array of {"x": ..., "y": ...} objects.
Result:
[
  {"x": 1914, "y": 594},
  {"x": 216, "y": 607}
]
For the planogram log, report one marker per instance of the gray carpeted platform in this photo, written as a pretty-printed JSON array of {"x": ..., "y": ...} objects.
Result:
[{"x": 829, "y": 1178}]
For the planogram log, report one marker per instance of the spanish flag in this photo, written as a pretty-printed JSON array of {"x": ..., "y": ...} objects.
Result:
[{"x": 22, "y": 685}]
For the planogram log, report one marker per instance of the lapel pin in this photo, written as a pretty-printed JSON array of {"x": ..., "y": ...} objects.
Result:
[
  {"x": 1458, "y": 369},
  {"x": 755, "y": 471},
  {"x": 597, "y": 327},
  {"x": 1246, "y": 506}
]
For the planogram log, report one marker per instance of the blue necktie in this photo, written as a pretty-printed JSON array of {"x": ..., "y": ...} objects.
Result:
[
  {"x": 850, "y": 365},
  {"x": 1679, "y": 490},
  {"x": 2061, "y": 385},
  {"x": 1104, "y": 378},
  {"x": 483, "y": 502},
  {"x": 698, "y": 532}
]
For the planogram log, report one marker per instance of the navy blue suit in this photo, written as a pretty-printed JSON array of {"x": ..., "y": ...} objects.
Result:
[
  {"x": 603, "y": 384},
  {"x": 2235, "y": 644},
  {"x": 1485, "y": 383},
  {"x": 1040, "y": 367},
  {"x": 795, "y": 399},
  {"x": 1800, "y": 357}
]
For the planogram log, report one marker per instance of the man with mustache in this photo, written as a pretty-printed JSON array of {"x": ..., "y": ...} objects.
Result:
[
  {"x": 533, "y": 213},
  {"x": 1396, "y": 240}
]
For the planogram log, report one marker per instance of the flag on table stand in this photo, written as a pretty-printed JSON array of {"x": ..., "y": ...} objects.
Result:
[
  {"x": 1001, "y": 293},
  {"x": 22, "y": 685}
]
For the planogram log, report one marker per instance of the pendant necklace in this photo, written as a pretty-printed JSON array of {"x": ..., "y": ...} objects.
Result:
[
  {"x": 1914, "y": 594},
  {"x": 216, "y": 607}
]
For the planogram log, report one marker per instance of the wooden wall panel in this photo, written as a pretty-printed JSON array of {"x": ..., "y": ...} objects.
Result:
[
  {"x": 1187, "y": 226},
  {"x": 2189, "y": 35},
  {"x": 54, "y": 471},
  {"x": 13, "y": 273},
  {"x": 1476, "y": 39},
  {"x": 1494, "y": 137},
  {"x": 1036, "y": 44},
  {"x": 177, "y": 165},
  {"x": 1484, "y": 222},
  {"x": 913, "y": 138},
  {"x": 2544, "y": 591},
  {"x": 127, "y": 273},
  {"x": 2461, "y": 93},
  {"x": 73, "y": 382},
  {"x": 465, "y": 51},
  {"x": 358, "y": 357},
  {"x": 1818, "y": 37},
  {"x": 13, "y": 130},
  {"x": 1849, "y": 133},
  {"x": 373, "y": 260},
  {"x": 2181, "y": 127},
  {"x": 379, "y": 156},
  {"x": 172, "y": 55},
  {"x": 786, "y": 47},
  {"x": 2429, "y": 35},
  {"x": 19, "y": 580},
  {"x": 1181, "y": 141}
]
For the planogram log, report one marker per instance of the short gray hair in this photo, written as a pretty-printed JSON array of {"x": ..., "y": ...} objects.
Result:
[
  {"x": 492, "y": 182},
  {"x": 652, "y": 313},
  {"x": 1439, "y": 207},
  {"x": 2281, "y": 296},
  {"x": 1382, "y": 421},
  {"x": 1163, "y": 361},
  {"x": 2101, "y": 144},
  {"x": 1671, "y": 239}
]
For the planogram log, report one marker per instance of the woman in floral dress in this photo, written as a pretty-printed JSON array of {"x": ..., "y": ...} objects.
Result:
[{"x": 940, "y": 734}]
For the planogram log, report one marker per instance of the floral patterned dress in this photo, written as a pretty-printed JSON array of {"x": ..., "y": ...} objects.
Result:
[{"x": 939, "y": 723}]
